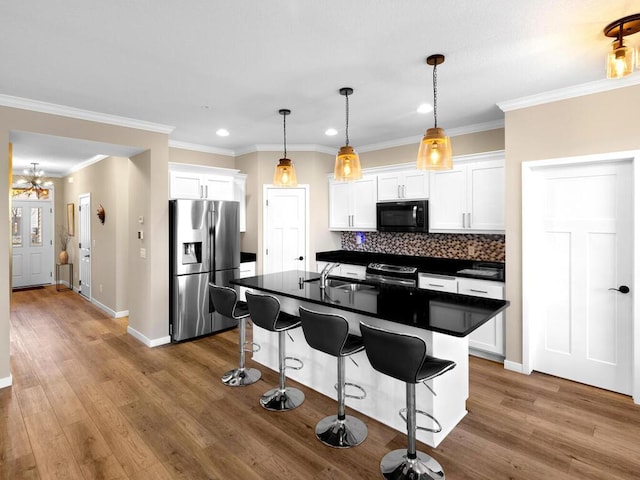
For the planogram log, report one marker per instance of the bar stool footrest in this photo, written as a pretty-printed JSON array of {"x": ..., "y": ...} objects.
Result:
[
  {"x": 255, "y": 347},
  {"x": 349, "y": 395},
  {"x": 293, "y": 367},
  {"x": 395, "y": 465},
  {"x": 438, "y": 429}
]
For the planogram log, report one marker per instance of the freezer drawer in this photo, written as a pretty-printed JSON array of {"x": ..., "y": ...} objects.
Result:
[{"x": 190, "y": 306}]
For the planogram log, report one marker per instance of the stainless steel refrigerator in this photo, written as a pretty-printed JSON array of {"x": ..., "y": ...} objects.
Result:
[{"x": 204, "y": 246}]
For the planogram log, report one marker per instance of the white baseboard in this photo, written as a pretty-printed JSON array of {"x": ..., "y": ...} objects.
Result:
[
  {"x": 513, "y": 366},
  {"x": 6, "y": 381},
  {"x": 149, "y": 342}
]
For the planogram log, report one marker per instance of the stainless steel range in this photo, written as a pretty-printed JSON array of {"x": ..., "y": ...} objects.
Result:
[{"x": 392, "y": 274}]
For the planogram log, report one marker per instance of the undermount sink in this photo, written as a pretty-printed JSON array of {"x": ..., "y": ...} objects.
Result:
[{"x": 348, "y": 286}]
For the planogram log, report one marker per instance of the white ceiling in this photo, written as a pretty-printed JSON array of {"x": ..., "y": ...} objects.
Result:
[{"x": 206, "y": 64}]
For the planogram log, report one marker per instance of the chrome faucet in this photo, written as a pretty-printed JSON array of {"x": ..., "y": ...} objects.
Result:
[{"x": 325, "y": 273}]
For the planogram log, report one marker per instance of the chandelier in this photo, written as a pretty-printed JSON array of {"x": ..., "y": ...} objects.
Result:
[{"x": 33, "y": 181}]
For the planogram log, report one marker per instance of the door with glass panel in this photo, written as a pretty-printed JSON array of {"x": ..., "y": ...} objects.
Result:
[
  {"x": 32, "y": 243},
  {"x": 84, "y": 244}
]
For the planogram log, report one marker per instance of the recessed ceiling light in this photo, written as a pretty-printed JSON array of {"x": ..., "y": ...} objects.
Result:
[
  {"x": 331, "y": 132},
  {"x": 425, "y": 108},
  {"x": 222, "y": 132}
]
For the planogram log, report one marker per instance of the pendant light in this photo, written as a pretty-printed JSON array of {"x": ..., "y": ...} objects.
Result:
[
  {"x": 33, "y": 181},
  {"x": 285, "y": 174},
  {"x": 435, "y": 149},
  {"x": 621, "y": 61},
  {"x": 347, "y": 166}
]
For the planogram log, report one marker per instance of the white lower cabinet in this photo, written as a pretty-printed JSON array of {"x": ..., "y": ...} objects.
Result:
[
  {"x": 344, "y": 270},
  {"x": 490, "y": 336},
  {"x": 247, "y": 269}
]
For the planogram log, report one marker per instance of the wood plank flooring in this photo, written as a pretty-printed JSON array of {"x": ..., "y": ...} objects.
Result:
[{"x": 91, "y": 402}]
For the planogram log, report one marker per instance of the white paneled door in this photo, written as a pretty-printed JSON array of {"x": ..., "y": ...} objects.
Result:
[
  {"x": 285, "y": 229},
  {"x": 32, "y": 244},
  {"x": 84, "y": 244},
  {"x": 585, "y": 235}
]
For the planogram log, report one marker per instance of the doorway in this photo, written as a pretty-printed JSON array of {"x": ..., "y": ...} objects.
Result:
[
  {"x": 285, "y": 228},
  {"x": 84, "y": 244},
  {"x": 578, "y": 268},
  {"x": 32, "y": 243}
]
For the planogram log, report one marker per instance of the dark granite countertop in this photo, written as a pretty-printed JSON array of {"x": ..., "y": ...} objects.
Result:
[
  {"x": 447, "y": 313},
  {"x": 440, "y": 266}
]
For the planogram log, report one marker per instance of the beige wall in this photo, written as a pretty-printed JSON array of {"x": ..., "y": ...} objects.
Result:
[
  {"x": 311, "y": 169},
  {"x": 107, "y": 182},
  {"x": 479, "y": 142},
  {"x": 599, "y": 123},
  {"x": 148, "y": 299},
  {"x": 179, "y": 155}
]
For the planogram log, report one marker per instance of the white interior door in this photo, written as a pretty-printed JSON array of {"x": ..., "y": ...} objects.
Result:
[
  {"x": 32, "y": 243},
  {"x": 84, "y": 244},
  {"x": 285, "y": 229},
  {"x": 585, "y": 241}
]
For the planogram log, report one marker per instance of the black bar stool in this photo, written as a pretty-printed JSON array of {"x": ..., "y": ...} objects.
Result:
[
  {"x": 330, "y": 334},
  {"x": 265, "y": 313},
  {"x": 404, "y": 357},
  {"x": 225, "y": 301}
]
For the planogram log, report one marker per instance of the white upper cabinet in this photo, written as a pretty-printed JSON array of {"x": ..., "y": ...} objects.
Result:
[
  {"x": 194, "y": 181},
  {"x": 470, "y": 197},
  {"x": 352, "y": 205},
  {"x": 403, "y": 185}
]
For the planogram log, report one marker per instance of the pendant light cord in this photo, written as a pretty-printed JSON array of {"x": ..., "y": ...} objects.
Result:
[
  {"x": 435, "y": 96},
  {"x": 346, "y": 130},
  {"x": 284, "y": 123}
]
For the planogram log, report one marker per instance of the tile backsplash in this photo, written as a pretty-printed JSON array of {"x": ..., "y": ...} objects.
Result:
[{"x": 443, "y": 245}]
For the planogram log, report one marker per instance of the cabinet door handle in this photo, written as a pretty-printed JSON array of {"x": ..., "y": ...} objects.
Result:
[
  {"x": 201, "y": 191},
  {"x": 468, "y": 220},
  {"x": 435, "y": 285},
  {"x": 478, "y": 291},
  {"x": 464, "y": 225},
  {"x": 404, "y": 191},
  {"x": 206, "y": 191},
  {"x": 399, "y": 192}
]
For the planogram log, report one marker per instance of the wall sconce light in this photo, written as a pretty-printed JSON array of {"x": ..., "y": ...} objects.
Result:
[
  {"x": 435, "y": 148},
  {"x": 621, "y": 61},
  {"x": 285, "y": 174}
]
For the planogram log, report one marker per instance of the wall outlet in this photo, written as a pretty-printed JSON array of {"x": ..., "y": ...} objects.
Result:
[
  {"x": 100, "y": 288},
  {"x": 471, "y": 250},
  {"x": 143, "y": 253}
]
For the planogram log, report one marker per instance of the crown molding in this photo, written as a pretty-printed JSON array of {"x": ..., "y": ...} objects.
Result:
[
  {"x": 85, "y": 164},
  {"x": 290, "y": 148},
  {"x": 452, "y": 132},
  {"x": 71, "y": 112},
  {"x": 580, "y": 90},
  {"x": 194, "y": 147}
]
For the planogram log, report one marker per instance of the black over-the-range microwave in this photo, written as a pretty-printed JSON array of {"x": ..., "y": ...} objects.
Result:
[{"x": 405, "y": 216}]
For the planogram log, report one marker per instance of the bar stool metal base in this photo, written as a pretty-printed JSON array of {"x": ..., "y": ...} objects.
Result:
[
  {"x": 395, "y": 465},
  {"x": 341, "y": 433},
  {"x": 240, "y": 377},
  {"x": 278, "y": 400}
]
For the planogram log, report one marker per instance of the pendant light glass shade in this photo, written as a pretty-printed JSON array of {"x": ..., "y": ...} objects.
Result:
[
  {"x": 285, "y": 174},
  {"x": 347, "y": 167},
  {"x": 622, "y": 60},
  {"x": 435, "y": 151}
]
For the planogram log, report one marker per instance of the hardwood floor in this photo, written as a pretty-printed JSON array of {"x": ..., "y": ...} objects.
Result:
[{"x": 90, "y": 402}]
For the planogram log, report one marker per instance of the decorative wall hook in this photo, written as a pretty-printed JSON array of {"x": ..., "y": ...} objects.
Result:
[{"x": 101, "y": 214}]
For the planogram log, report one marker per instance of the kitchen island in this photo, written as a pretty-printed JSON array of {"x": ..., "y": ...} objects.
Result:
[{"x": 443, "y": 320}]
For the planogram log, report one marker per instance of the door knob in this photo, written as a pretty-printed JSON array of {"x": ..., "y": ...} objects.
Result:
[
  {"x": 299, "y": 258},
  {"x": 621, "y": 289}
]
